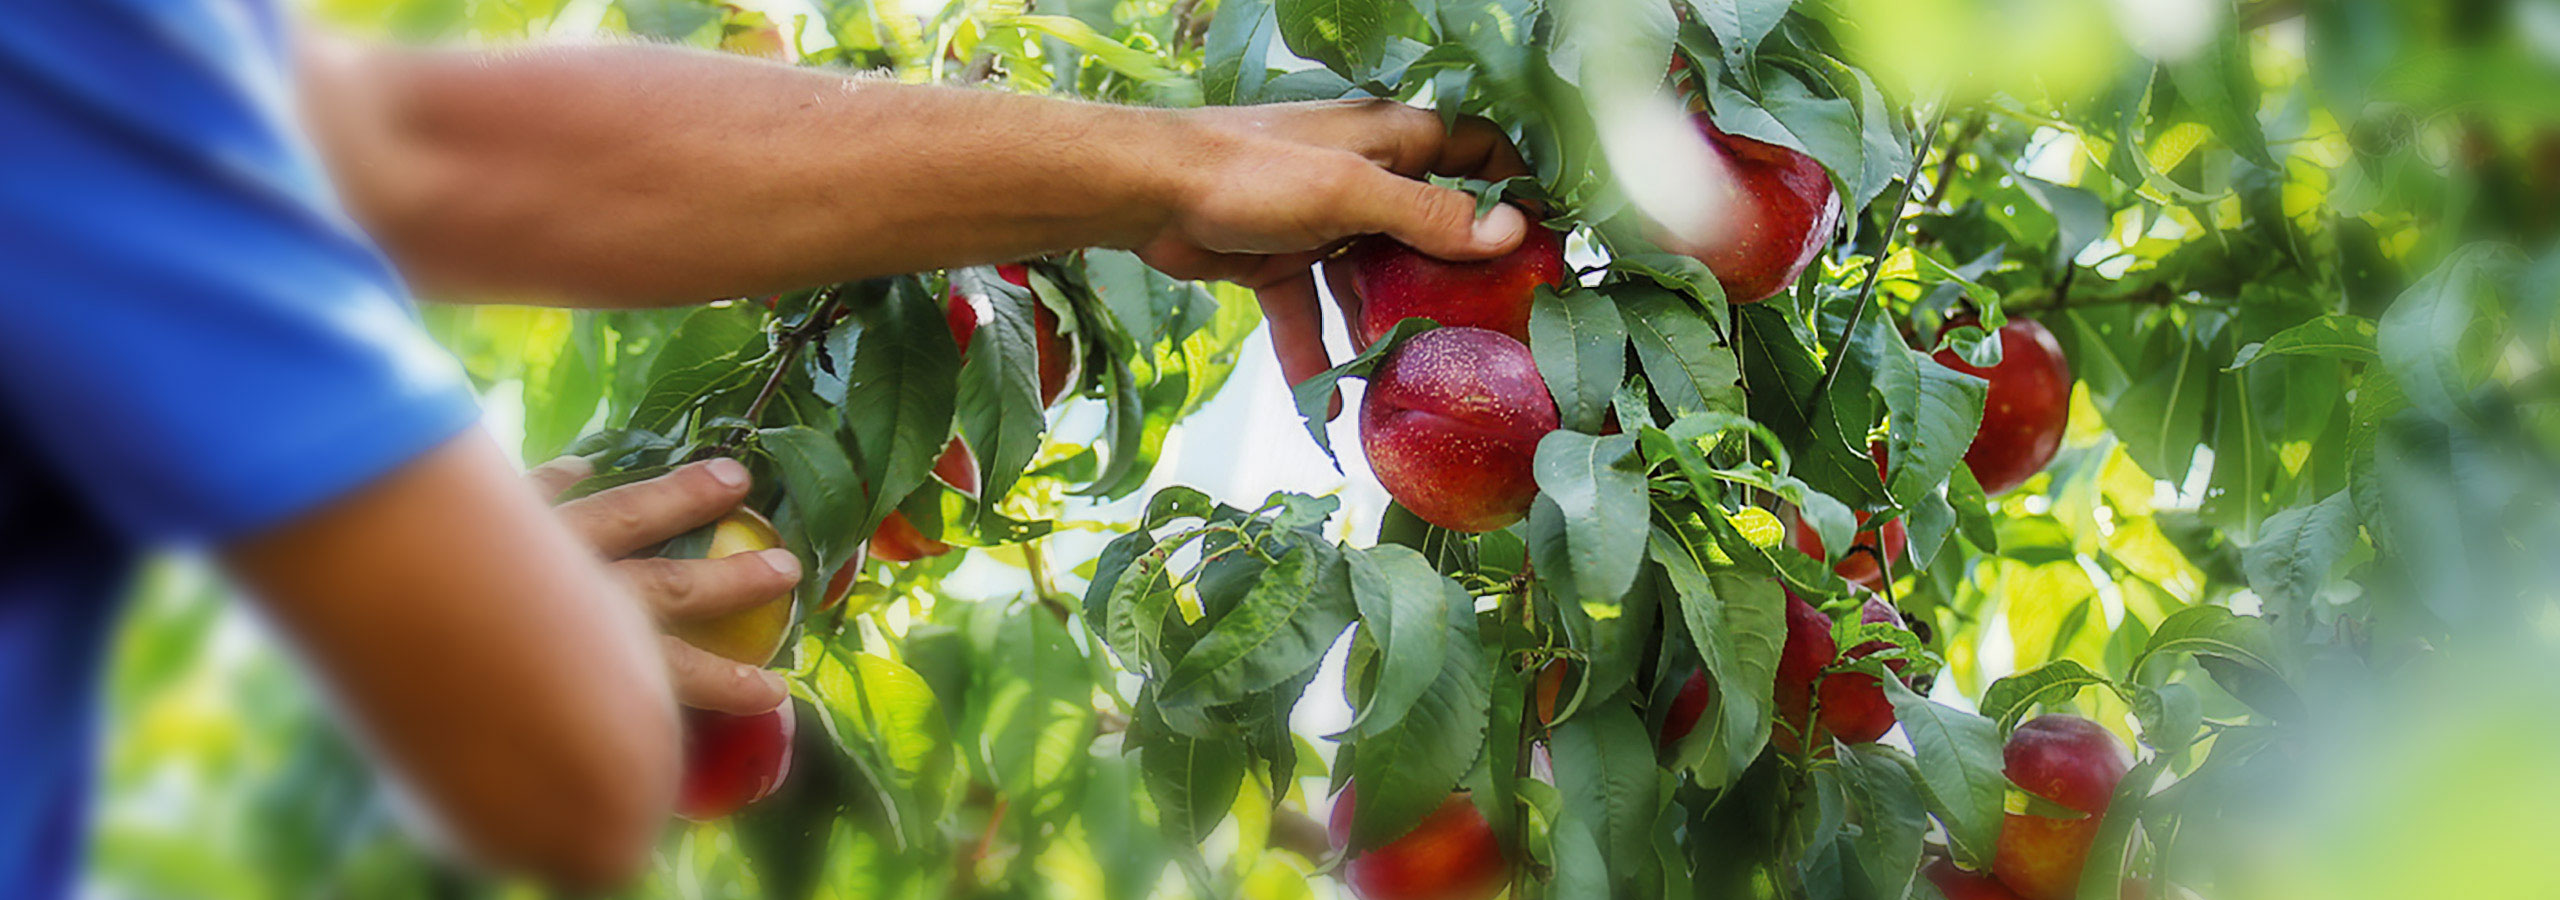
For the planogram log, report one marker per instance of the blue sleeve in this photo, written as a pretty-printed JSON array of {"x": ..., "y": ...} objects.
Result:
[{"x": 190, "y": 332}]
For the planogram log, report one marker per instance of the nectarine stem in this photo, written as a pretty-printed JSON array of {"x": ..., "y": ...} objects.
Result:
[{"x": 1875, "y": 268}]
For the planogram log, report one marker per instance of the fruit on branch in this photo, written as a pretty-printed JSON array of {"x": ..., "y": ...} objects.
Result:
[
  {"x": 1860, "y": 565},
  {"x": 1057, "y": 358},
  {"x": 1451, "y": 855},
  {"x": 1451, "y": 423},
  {"x": 1550, "y": 688},
  {"x": 2076, "y": 764},
  {"x": 1396, "y": 282},
  {"x": 898, "y": 540},
  {"x": 1777, "y": 212},
  {"x": 1686, "y": 707},
  {"x": 749, "y": 635},
  {"x": 957, "y": 467},
  {"x": 1852, "y": 705},
  {"x": 2024, "y": 412},
  {"x": 731, "y": 761},
  {"x": 1959, "y": 884}
]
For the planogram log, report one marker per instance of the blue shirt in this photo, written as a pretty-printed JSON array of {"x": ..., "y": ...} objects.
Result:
[{"x": 195, "y": 345}]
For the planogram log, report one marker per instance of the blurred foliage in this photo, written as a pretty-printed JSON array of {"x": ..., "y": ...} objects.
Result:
[{"x": 2295, "y": 544}]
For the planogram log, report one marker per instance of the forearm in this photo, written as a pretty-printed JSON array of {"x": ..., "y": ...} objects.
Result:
[
  {"x": 487, "y": 656},
  {"x": 633, "y": 175}
]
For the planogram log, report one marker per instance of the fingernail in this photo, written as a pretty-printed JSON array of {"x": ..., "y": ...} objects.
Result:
[
  {"x": 1500, "y": 228},
  {"x": 728, "y": 472},
  {"x": 781, "y": 561},
  {"x": 772, "y": 681}
]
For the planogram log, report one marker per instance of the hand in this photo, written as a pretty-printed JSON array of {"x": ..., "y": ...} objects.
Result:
[
  {"x": 1277, "y": 188},
  {"x": 622, "y": 520}
]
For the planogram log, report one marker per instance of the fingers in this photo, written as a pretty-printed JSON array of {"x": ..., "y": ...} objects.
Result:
[
  {"x": 1437, "y": 221},
  {"x": 1297, "y": 329},
  {"x": 559, "y": 475},
  {"x": 621, "y": 520},
  {"x": 708, "y": 681},
  {"x": 1412, "y": 141},
  {"x": 676, "y": 590}
]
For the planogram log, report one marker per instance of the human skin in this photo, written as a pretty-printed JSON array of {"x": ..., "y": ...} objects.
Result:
[
  {"x": 547, "y": 742},
  {"x": 509, "y": 173}
]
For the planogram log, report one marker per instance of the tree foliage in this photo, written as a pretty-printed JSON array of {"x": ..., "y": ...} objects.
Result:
[{"x": 2311, "y": 432}]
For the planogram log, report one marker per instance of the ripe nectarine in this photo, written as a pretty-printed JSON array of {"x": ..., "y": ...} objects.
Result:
[
  {"x": 731, "y": 761},
  {"x": 1451, "y": 855},
  {"x": 1782, "y": 211},
  {"x": 1451, "y": 424},
  {"x": 1397, "y": 282},
  {"x": 749, "y": 635},
  {"x": 2028, "y": 405},
  {"x": 2076, "y": 763}
]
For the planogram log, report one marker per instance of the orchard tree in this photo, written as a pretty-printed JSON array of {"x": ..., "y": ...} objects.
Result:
[{"x": 1920, "y": 451}]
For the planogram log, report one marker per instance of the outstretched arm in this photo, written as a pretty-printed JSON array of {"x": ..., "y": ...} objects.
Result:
[{"x": 626, "y": 174}]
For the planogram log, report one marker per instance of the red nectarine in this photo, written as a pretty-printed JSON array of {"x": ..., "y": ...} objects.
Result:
[
  {"x": 1782, "y": 211},
  {"x": 1451, "y": 855},
  {"x": 2028, "y": 405},
  {"x": 1396, "y": 282},
  {"x": 2076, "y": 763},
  {"x": 1451, "y": 424},
  {"x": 1686, "y": 707},
  {"x": 731, "y": 761}
]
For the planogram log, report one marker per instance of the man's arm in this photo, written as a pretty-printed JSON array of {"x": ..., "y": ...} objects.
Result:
[
  {"x": 637, "y": 175},
  {"x": 489, "y": 657}
]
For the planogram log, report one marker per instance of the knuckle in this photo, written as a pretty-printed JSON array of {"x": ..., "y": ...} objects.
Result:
[{"x": 667, "y": 580}]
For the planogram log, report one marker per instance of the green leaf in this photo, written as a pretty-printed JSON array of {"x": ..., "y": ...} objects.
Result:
[
  {"x": 999, "y": 407},
  {"x": 1690, "y": 370},
  {"x": 882, "y": 701},
  {"x": 899, "y": 393},
  {"x": 1406, "y": 771},
  {"x": 1281, "y": 628},
  {"x": 2334, "y": 336},
  {"x": 2102, "y": 875},
  {"x": 2161, "y": 418},
  {"x": 1232, "y": 67},
  {"x": 2428, "y": 338},
  {"x": 2008, "y": 700},
  {"x": 1605, "y": 775},
  {"x": 1739, "y": 625},
  {"x": 2298, "y": 549},
  {"x": 2212, "y": 631},
  {"x": 824, "y": 496},
  {"x": 1348, "y": 36},
  {"x": 1958, "y": 755},
  {"x": 705, "y": 355},
  {"x": 1402, "y": 602},
  {"x": 1740, "y": 25},
  {"x": 1595, "y": 484},
  {"x": 1674, "y": 272},
  {"x": 1935, "y": 412},
  {"x": 1315, "y": 395},
  {"x": 1193, "y": 781},
  {"x": 1891, "y": 824},
  {"x": 1580, "y": 345}
]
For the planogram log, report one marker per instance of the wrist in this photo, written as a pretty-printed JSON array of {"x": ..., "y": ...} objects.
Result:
[{"x": 1158, "y": 179}]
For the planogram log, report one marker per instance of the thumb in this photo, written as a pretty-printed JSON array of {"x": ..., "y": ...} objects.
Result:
[{"x": 1435, "y": 220}]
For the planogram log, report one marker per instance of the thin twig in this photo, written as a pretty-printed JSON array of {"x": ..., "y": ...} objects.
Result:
[
  {"x": 786, "y": 350},
  {"x": 1875, "y": 269}
]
